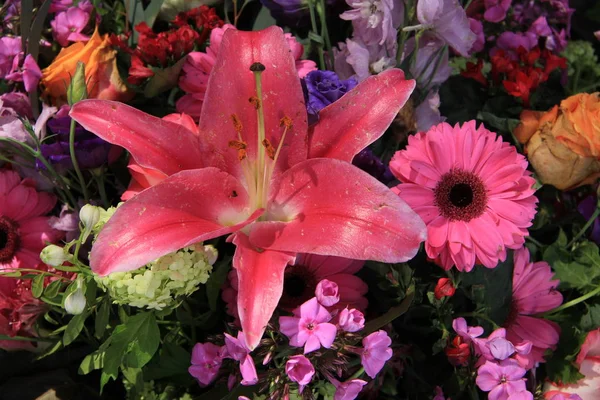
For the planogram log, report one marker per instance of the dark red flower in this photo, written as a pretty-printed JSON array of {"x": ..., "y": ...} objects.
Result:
[
  {"x": 553, "y": 61},
  {"x": 458, "y": 352},
  {"x": 502, "y": 64},
  {"x": 474, "y": 71},
  {"x": 138, "y": 71},
  {"x": 444, "y": 288}
]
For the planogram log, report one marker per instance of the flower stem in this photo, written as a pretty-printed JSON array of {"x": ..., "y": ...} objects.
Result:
[
  {"x": 24, "y": 339},
  {"x": 75, "y": 164},
  {"x": 324, "y": 30},
  {"x": 574, "y": 302},
  {"x": 313, "y": 22},
  {"x": 534, "y": 241},
  {"x": 415, "y": 28},
  {"x": 585, "y": 227},
  {"x": 357, "y": 374}
]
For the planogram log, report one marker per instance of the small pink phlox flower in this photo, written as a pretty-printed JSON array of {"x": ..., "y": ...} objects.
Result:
[
  {"x": 376, "y": 351},
  {"x": 501, "y": 379},
  {"x": 309, "y": 327},
  {"x": 348, "y": 390},
  {"x": 238, "y": 350},
  {"x": 327, "y": 293},
  {"x": 468, "y": 333},
  {"x": 67, "y": 26},
  {"x": 300, "y": 370},
  {"x": 206, "y": 361},
  {"x": 351, "y": 320}
]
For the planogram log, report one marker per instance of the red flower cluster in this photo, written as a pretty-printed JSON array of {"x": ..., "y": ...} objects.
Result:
[
  {"x": 163, "y": 49},
  {"x": 521, "y": 76}
]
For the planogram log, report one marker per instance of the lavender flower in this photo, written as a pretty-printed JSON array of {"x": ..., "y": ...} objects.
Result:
[
  {"x": 323, "y": 88},
  {"x": 375, "y": 21},
  {"x": 427, "y": 113},
  {"x": 364, "y": 60},
  {"x": 431, "y": 67},
  {"x": 448, "y": 21}
]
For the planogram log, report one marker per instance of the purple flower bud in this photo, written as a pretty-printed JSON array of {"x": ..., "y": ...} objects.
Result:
[
  {"x": 351, "y": 320},
  {"x": 299, "y": 370},
  {"x": 327, "y": 293}
]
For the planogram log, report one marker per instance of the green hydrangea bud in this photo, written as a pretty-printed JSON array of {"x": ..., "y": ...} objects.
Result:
[
  {"x": 77, "y": 89},
  {"x": 160, "y": 283},
  {"x": 581, "y": 54}
]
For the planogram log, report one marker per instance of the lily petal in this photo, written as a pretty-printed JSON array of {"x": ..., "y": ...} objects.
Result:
[
  {"x": 330, "y": 207},
  {"x": 260, "y": 275},
  {"x": 153, "y": 142},
  {"x": 230, "y": 86},
  {"x": 360, "y": 117},
  {"x": 184, "y": 209}
]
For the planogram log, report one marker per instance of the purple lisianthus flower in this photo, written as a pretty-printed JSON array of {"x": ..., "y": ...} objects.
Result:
[
  {"x": 495, "y": 10},
  {"x": 293, "y": 13},
  {"x": 587, "y": 208},
  {"x": 323, "y": 88},
  {"x": 428, "y": 112},
  {"x": 431, "y": 67},
  {"x": 371, "y": 164},
  {"x": 449, "y": 22},
  {"x": 90, "y": 150},
  {"x": 375, "y": 21}
]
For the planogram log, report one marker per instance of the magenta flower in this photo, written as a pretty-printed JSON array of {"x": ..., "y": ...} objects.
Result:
[
  {"x": 348, "y": 390},
  {"x": 327, "y": 293},
  {"x": 206, "y": 361},
  {"x": 239, "y": 351},
  {"x": 230, "y": 179},
  {"x": 10, "y": 47},
  {"x": 30, "y": 74},
  {"x": 67, "y": 26},
  {"x": 439, "y": 394},
  {"x": 468, "y": 333},
  {"x": 495, "y": 10},
  {"x": 376, "y": 351},
  {"x": 309, "y": 327},
  {"x": 448, "y": 21},
  {"x": 501, "y": 379},
  {"x": 300, "y": 370},
  {"x": 477, "y": 28},
  {"x": 351, "y": 320}
]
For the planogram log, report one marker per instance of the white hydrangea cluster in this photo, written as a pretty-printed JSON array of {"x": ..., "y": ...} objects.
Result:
[{"x": 160, "y": 283}]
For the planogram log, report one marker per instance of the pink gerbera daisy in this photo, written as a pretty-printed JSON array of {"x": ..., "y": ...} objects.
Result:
[
  {"x": 472, "y": 190},
  {"x": 24, "y": 230},
  {"x": 301, "y": 280},
  {"x": 534, "y": 292}
]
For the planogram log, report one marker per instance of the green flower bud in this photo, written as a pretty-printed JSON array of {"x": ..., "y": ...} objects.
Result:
[
  {"x": 89, "y": 216},
  {"x": 75, "y": 301},
  {"x": 54, "y": 255},
  {"x": 77, "y": 89}
]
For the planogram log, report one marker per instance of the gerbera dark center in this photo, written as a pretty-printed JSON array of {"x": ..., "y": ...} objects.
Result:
[
  {"x": 460, "y": 195},
  {"x": 9, "y": 239},
  {"x": 299, "y": 285}
]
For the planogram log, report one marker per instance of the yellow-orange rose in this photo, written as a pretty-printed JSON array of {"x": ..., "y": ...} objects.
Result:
[
  {"x": 563, "y": 144},
  {"x": 101, "y": 73}
]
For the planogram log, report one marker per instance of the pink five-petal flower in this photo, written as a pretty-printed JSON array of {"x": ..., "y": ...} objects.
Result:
[
  {"x": 309, "y": 327},
  {"x": 300, "y": 370},
  {"x": 501, "y": 379},
  {"x": 588, "y": 361},
  {"x": 351, "y": 320},
  {"x": 327, "y": 293},
  {"x": 348, "y": 390},
  {"x": 310, "y": 199},
  {"x": 376, "y": 351},
  {"x": 239, "y": 351},
  {"x": 468, "y": 333},
  {"x": 67, "y": 26},
  {"x": 206, "y": 361}
]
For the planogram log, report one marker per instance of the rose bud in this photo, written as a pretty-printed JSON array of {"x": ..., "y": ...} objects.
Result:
[
  {"x": 563, "y": 144},
  {"x": 444, "y": 288},
  {"x": 458, "y": 352}
]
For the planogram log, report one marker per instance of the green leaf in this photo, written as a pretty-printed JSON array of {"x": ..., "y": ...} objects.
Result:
[
  {"x": 215, "y": 282},
  {"x": 591, "y": 319},
  {"x": 151, "y": 12},
  {"x": 37, "y": 286},
  {"x": 498, "y": 123},
  {"x": 102, "y": 316},
  {"x": 391, "y": 315},
  {"x": 163, "y": 79},
  {"x": 491, "y": 289},
  {"x": 316, "y": 38},
  {"x": 135, "y": 15},
  {"x": 52, "y": 289},
  {"x": 263, "y": 20},
  {"x": 132, "y": 343},
  {"x": 174, "y": 360},
  {"x": 74, "y": 328},
  {"x": 91, "y": 362},
  {"x": 578, "y": 269},
  {"x": 561, "y": 366}
]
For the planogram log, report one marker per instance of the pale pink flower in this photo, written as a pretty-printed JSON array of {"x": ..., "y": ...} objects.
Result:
[
  {"x": 67, "y": 26},
  {"x": 348, "y": 390},
  {"x": 327, "y": 293},
  {"x": 376, "y": 351},
  {"x": 301, "y": 279},
  {"x": 23, "y": 226},
  {"x": 501, "y": 379},
  {"x": 534, "y": 292},
  {"x": 588, "y": 361},
  {"x": 206, "y": 361},
  {"x": 351, "y": 320},
  {"x": 472, "y": 190},
  {"x": 239, "y": 351},
  {"x": 300, "y": 370},
  {"x": 309, "y": 327},
  {"x": 198, "y": 66}
]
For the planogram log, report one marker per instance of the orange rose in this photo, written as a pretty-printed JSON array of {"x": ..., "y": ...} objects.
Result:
[
  {"x": 563, "y": 144},
  {"x": 101, "y": 73}
]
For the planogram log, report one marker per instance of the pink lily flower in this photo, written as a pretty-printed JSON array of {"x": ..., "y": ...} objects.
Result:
[{"x": 256, "y": 171}]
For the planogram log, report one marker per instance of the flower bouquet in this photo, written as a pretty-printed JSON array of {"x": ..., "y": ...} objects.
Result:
[{"x": 268, "y": 199}]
